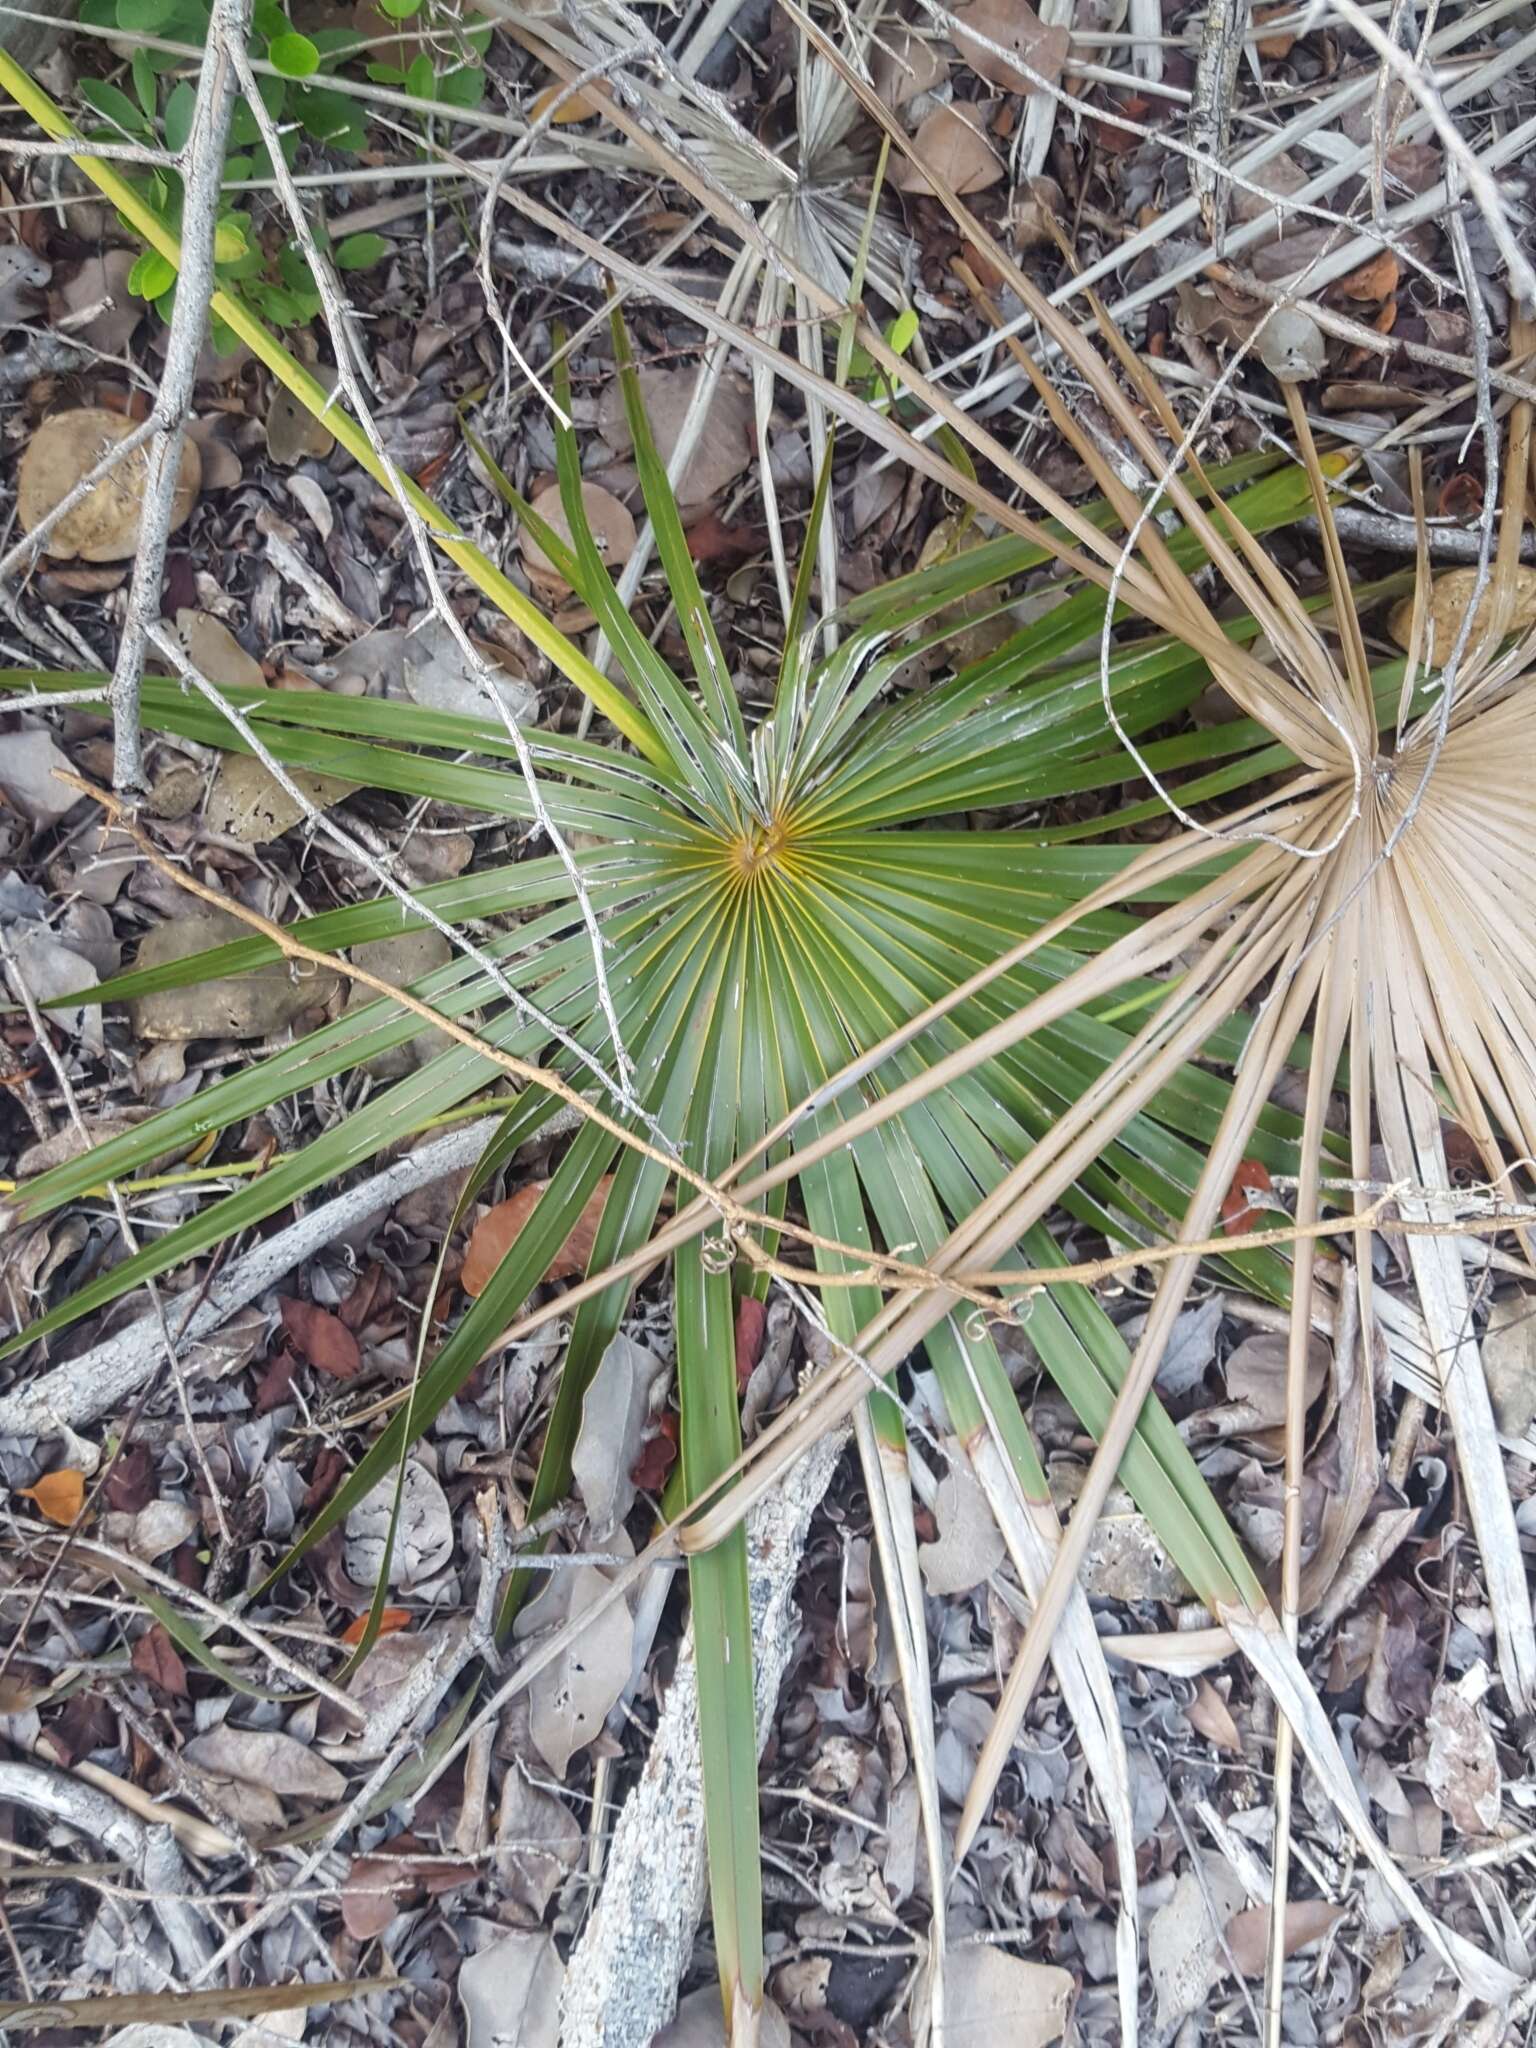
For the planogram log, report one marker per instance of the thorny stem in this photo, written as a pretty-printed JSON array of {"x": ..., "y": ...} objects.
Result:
[{"x": 203, "y": 170}]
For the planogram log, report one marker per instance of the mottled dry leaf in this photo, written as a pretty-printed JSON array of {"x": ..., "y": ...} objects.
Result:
[
  {"x": 969, "y": 1548},
  {"x": 423, "y": 1540},
  {"x": 1305, "y": 1920},
  {"x": 952, "y": 144},
  {"x": 1017, "y": 30},
  {"x": 104, "y": 526},
  {"x": 493, "y": 1236},
  {"x": 248, "y": 803},
  {"x": 1462, "y": 1771},
  {"x": 321, "y": 1338},
  {"x": 1509, "y": 1360},
  {"x": 57, "y": 1496},
  {"x": 511, "y": 1993},
  {"x": 1256, "y": 1375},
  {"x": 613, "y": 529},
  {"x": 266, "y": 1759},
  {"x": 1183, "y": 1940},
  {"x": 161, "y": 1526},
  {"x": 569, "y": 1699}
]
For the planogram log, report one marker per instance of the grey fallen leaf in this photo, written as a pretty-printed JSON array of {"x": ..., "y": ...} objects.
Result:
[
  {"x": 1509, "y": 1360},
  {"x": 437, "y": 676},
  {"x": 700, "y": 2023},
  {"x": 401, "y": 960},
  {"x": 215, "y": 652},
  {"x": 540, "y": 1839},
  {"x": 1462, "y": 1770},
  {"x": 992, "y": 1997},
  {"x": 969, "y": 1548},
  {"x": 724, "y": 445},
  {"x": 569, "y": 1699},
  {"x": 275, "y": 2028},
  {"x": 266, "y": 1759},
  {"x": 613, "y": 1418},
  {"x": 1256, "y": 1373},
  {"x": 30, "y": 767},
  {"x": 161, "y": 1526},
  {"x": 1291, "y": 346},
  {"x": 49, "y": 969},
  {"x": 248, "y": 803},
  {"x": 100, "y": 289},
  {"x": 1183, "y": 1944},
  {"x": 240, "y": 1006},
  {"x": 510, "y": 1993},
  {"x": 22, "y": 275},
  {"x": 1190, "y": 1349},
  {"x": 423, "y": 1541},
  {"x": 148, "y": 2034},
  {"x": 372, "y": 666}
]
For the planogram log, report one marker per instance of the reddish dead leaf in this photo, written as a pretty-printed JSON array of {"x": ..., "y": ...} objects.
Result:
[
  {"x": 325, "y": 1478},
  {"x": 1111, "y": 137},
  {"x": 493, "y": 1236},
  {"x": 390, "y": 1620},
  {"x": 1209, "y": 1715},
  {"x": 751, "y": 1327},
  {"x": 322, "y": 1338},
  {"x": 711, "y": 540},
  {"x": 379, "y": 1885},
  {"x": 372, "y": 1295},
  {"x": 658, "y": 1454},
  {"x": 1236, "y": 1215},
  {"x": 130, "y": 1484},
  {"x": 155, "y": 1657},
  {"x": 1461, "y": 497},
  {"x": 87, "y": 1723},
  {"x": 276, "y": 1383},
  {"x": 1305, "y": 1920},
  {"x": 57, "y": 1496}
]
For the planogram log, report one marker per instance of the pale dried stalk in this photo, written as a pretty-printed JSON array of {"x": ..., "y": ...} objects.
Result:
[{"x": 203, "y": 158}]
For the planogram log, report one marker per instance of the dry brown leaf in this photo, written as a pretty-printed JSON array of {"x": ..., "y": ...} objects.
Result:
[
  {"x": 104, "y": 526},
  {"x": 1209, "y": 1715},
  {"x": 155, "y": 1657},
  {"x": 1509, "y": 1361},
  {"x": 493, "y": 1236},
  {"x": 293, "y": 432},
  {"x": 1305, "y": 1920},
  {"x": 266, "y": 1760},
  {"x": 57, "y": 1496},
  {"x": 906, "y": 64},
  {"x": 1376, "y": 278},
  {"x": 613, "y": 530},
  {"x": 321, "y": 1338},
  {"x": 1016, "y": 28},
  {"x": 570, "y": 1697},
  {"x": 1449, "y": 597},
  {"x": 215, "y": 652},
  {"x": 991, "y": 1997},
  {"x": 951, "y": 140},
  {"x": 563, "y": 109},
  {"x": 392, "y": 1619},
  {"x": 1282, "y": 41},
  {"x": 248, "y": 803}
]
